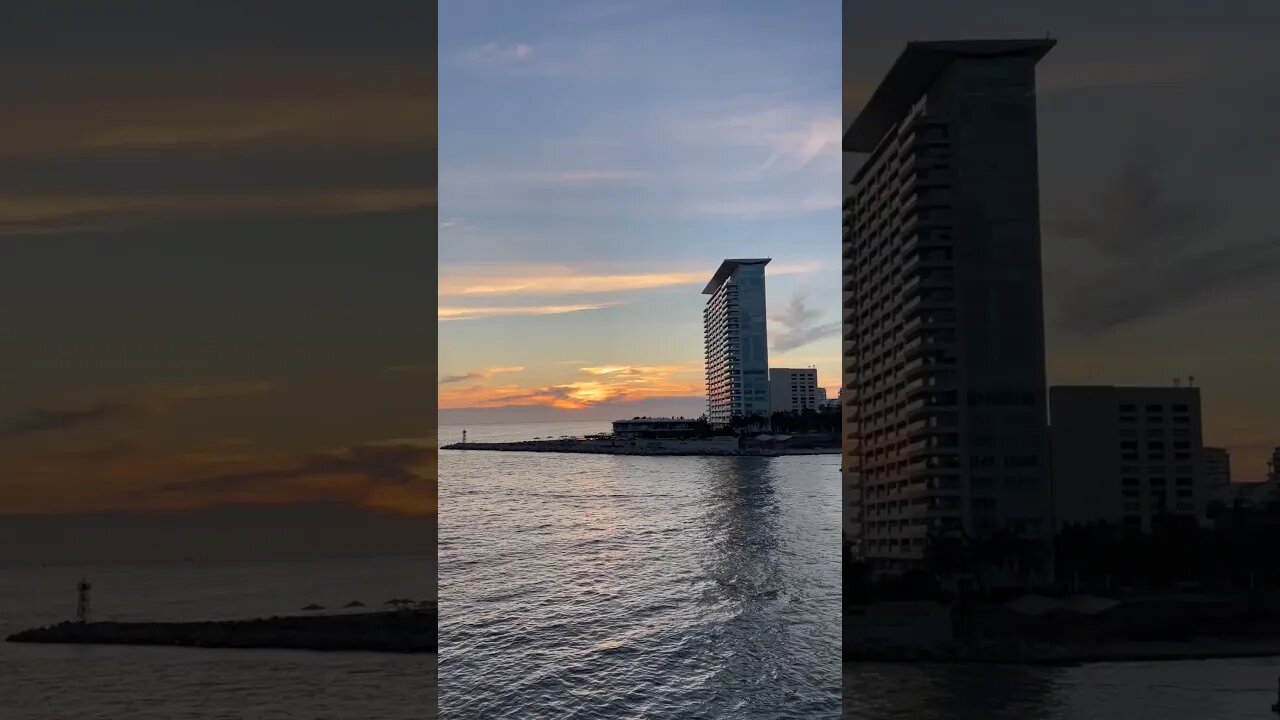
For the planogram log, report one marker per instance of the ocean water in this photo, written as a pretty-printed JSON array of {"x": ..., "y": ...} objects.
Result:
[
  {"x": 45, "y": 682},
  {"x": 596, "y": 586},
  {"x": 1185, "y": 690}
]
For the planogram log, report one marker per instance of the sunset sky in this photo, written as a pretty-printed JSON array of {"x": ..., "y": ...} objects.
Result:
[
  {"x": 216, "y": 252},
  {"x": 1158, "y": 167},
  {"x": 597, "y": 162}
]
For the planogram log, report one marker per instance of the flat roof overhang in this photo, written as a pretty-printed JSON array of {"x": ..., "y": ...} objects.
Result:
[
  {"x": 726, "y": 269},
  {"x": 914, "y": 71}
]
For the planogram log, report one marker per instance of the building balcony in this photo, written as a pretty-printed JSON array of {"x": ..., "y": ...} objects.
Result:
[
  {"x": 925, "y": 472},
  {"x": 910, "y": 167},
  {"x": 924, "y": 344},
  {"x": 911, "y": 283},
  {"x": 922, "y": 406}
]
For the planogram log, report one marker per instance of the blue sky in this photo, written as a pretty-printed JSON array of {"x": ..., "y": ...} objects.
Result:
[{"x": 589, "y": 146}]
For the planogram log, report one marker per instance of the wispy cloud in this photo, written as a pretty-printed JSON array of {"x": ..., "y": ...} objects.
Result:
[
  {"x": 495, "y": 55},
  {"x": 479, "y": 374},
  {"x": 800, "y": 325},
  {"x": 788, "y": 136},
  {"x": 36, "y": 213},
  {"x": 156, "y": 401},
  {"x": 397, "y": 476},
  {"x": 451, "y": 314},
  {"x": 638, "y": 370},
  {"x": 556, "y": 280},
  {"x": 1155, "y": 251},
  {"x": 593, "y": 176}
]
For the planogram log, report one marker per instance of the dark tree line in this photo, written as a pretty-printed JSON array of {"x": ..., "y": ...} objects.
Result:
[
  {"x": 1240, "y": 553},
  {"x": 824, "y": 420}
]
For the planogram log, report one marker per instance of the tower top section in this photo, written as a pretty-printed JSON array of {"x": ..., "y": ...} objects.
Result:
[
  {"x": 727, "y": 268},
  {"x": 915, "y": 70}
]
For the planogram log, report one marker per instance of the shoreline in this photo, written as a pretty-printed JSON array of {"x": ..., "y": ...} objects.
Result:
[
  {"x": 587, "y": 447},
  {"x": 1060, "y": 656},
  {"x": 401, "y": 632}
]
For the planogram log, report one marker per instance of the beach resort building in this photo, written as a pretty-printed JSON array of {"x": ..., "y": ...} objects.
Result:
[
  {"x": 943, "y": 354},
  {"x": 736, "y": 342}
]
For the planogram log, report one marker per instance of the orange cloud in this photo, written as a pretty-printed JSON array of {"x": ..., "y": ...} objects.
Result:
[
  {"x": 606, "y": 384},
  {"x": 34, "y": 213},
  {"x": 397, "y": 475},
  {"x": 479, "y": 374},
  {"x": 122, "y": 109},
  {"x": 552, "y": 280},
  {"x": 448, "y": 314},
  {"x": 155, "y": 401}
]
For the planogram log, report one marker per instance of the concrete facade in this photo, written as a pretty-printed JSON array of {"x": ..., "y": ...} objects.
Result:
[
  {"x": 794, "y": 390},
  {"x": 736, "y": 341},
  {"x": 1123, "y": 455},
  {"x": 944, "y": 379}
]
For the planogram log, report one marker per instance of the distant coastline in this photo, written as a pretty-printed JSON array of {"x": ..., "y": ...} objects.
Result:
[
  {"x": 603, "y": 447},
  {"x": 1058, "y": 655},
  {"x": 412, "y": 631}
]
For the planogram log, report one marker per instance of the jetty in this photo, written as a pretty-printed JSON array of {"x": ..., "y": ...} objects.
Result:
[
  {"x": 393, "y": 631},
  {"x": 594, "y": 446}
]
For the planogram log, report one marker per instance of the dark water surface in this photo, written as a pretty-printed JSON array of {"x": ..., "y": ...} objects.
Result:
[
  {"x": 596, "y": 586},
  {"x": 1183, "y": 690},
  {"x": 46, "y": 682}
]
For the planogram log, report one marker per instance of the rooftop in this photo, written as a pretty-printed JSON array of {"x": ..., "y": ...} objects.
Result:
[
  {"x": 726, "y": 269},
  {"x": 914, "y": 71}
]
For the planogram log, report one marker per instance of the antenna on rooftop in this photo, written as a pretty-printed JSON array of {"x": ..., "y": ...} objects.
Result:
[{"x": 1191, "y": 381}]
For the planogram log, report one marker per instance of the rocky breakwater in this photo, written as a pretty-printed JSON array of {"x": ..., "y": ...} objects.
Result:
[
  {"x": 398, "y": 631},
  {"x": 591, "y": 447}
]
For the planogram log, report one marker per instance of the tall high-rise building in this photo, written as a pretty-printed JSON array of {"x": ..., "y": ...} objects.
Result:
[
  {"x": 944, "y": 373},
  {"x": 794, "y": 390},
  {"x": 1125, "y": 455},
  {"x": 737, "y": 342}
]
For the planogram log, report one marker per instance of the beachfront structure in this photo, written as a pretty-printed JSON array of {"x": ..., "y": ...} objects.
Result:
[
  {"x": 1125, "y": 455},
  {"x": 653, "y": 427},
  {"x": 944, "y": 376},
  {"x": 794, "y": 390},
  {"x": 736, "y": 342}
]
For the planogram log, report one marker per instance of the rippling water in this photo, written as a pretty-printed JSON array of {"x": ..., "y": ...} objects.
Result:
[
  {"x": 1195, "y": 690},
  {"x": 45, "y": 682},
  {"x": 595, "y": 586}
]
